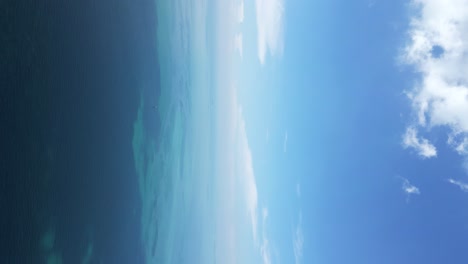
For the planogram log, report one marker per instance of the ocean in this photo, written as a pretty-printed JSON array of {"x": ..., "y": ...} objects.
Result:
[
  {"x": 175, "y": 165},
  {"x": 71, "y": 78},
  {"x": 108, "y": 132}
]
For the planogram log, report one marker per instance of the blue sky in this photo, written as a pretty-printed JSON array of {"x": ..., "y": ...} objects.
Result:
[{"x": 344, "y": 134}]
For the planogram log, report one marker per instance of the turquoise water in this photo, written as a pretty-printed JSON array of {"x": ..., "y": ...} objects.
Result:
[{"x": 174, "y": 167}]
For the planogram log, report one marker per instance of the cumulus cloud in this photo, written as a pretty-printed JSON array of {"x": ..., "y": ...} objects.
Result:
[
  {"x": 463, "y": 186},
  {"x": 437, "y": 49},
  {"x": 270, "y": 16},
  {"x": 422, "y": 146},
  {"x": 298, "y": 241}
]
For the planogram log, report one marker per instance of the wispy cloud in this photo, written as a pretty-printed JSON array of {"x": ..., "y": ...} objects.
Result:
[
  {"x": 237, "y": 197},
  {"x": 240, "y": 13},
  {"x": 422, "y": 146},
  {"x": 285, "y": 142},
  {"x": 463, "y": 186},
  {"x": 408, "y": 188},
  {"x": 298, "y": 190},
  {"x": 246, "y": 172},
  {"x": 238, "y": 44},
  {"x": 298, "y": 241},
  {"x": 265, "y": 246},
  {"x": 437, "y": 49},
  {"x": 270, "y": 16}
]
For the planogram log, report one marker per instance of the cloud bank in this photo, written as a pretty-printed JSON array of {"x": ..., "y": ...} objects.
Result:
[
  {"x": 437, "y": 49},
  {"x": 270, "y": 20}
]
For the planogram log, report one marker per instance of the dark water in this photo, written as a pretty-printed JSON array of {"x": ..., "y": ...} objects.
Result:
[{"x": 71, "y": 75}]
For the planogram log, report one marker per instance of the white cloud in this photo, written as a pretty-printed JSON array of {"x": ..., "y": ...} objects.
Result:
[
  {"x": 438, "y": 50},
  {"x": 298, "y": 190},
  {"x": 459, "y": 143},
  {"x": 285, "y": 142},
  {"x": 237, "y": 163},
  {"x": 265, "y": 246},
  {"x": 408, "y": 188},
  {"x": 298, "y": 241},
  {"x": 238, "y": 43},
  {"x": 240, "y": 13},
  {"x": 270, "y": 16},
  {"x": 236, "y": 196},
  {"x": 423, "y": 147},
  {"x": 245, "y": 171},
  {"x": 463, "y": 186}
]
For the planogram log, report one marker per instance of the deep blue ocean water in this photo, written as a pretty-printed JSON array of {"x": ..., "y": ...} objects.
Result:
[{"x": 72, "y": 76}]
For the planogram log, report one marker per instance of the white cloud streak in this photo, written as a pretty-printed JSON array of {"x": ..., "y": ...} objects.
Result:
[
  {"x": 265, "y": 246},
  {"x": 245, "y": 171},
  {"x": 237, "y": 197},
  {"x": 437, "y": 49},
  {"x": 408, "y": 188},
  {"x": 270, "y": 16},
  {"x": 238, "y": 44},
  {"x": 422, "y": 146},
  {"x": 240, "y": 13},
  {"x": 298, "y": 241},
  {"x": 463, "y": 186},
  {"x": 285, "y": 142}
]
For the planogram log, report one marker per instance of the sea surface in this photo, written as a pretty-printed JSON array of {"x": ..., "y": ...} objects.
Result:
[
  {"x": 75, "y": 75},
  {"x": 175, "y": 163}
]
